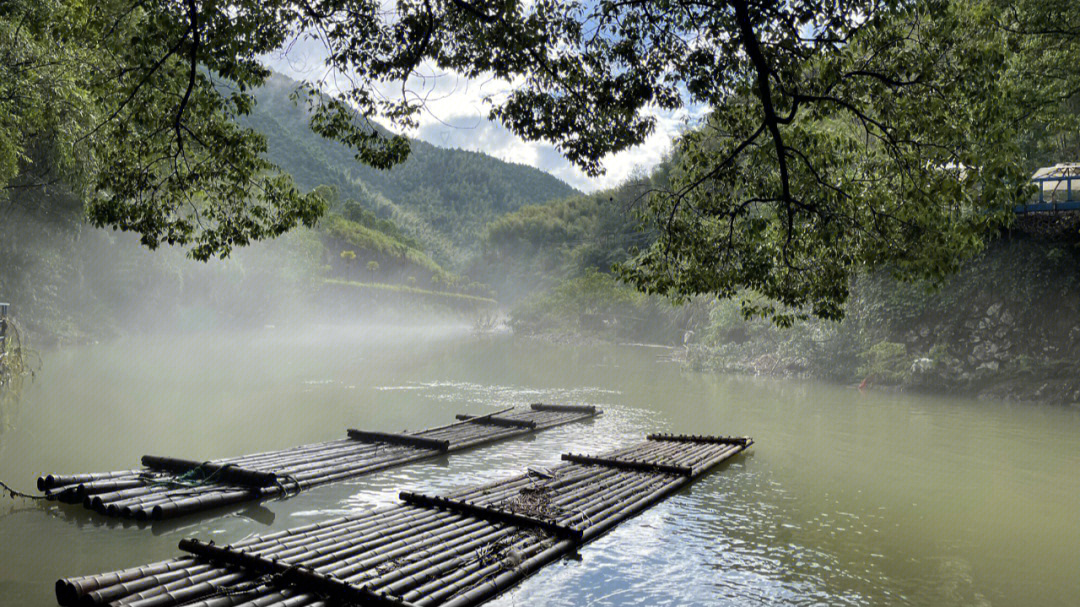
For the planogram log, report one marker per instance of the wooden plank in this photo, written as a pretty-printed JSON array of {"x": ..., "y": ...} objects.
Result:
[
  {"x": 693, "y": 438},
  {"x": 408, "y": 440},
  {"x": 489, "y": 420},
  {"x": 490, "y": 514},
  {"x": 587, "y": 409},
  {"x": 226, "y": 473},
  {"x": 639, "y": 466}
]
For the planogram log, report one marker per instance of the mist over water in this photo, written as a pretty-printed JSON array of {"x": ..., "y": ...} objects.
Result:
[{"x": 846, "y": 498}]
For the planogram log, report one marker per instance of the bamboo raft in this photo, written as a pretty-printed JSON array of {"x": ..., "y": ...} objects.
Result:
[
  {"x": 456, "y": 550},
  {"x": 169, "y": 487}
]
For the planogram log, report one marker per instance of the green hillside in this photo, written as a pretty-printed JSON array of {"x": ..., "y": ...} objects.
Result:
[
  {"x": 442, "y": 197},
  {"x": 364, "y": 241},
  {"x": 538, "y": 246},
  {"x": 355, "y": 252}
]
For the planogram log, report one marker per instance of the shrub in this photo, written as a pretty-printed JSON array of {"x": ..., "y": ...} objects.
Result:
[{"x": 887, "y": 363}]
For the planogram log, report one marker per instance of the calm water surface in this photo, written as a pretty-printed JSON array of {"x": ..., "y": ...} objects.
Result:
[{"x": 846, "y": 499}]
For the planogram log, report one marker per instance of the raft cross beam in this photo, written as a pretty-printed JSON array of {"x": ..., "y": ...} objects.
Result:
[{"x": 170, "y": 487}]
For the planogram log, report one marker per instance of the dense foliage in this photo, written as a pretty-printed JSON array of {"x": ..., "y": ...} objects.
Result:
[
  {"x": 839, "y": 136},
  {"x": 137, "y": 103},
  {"x": 441, "y": 197},
  {"x": 1005, "y": 326},
  {"x": 540, "y": 245},
  {"x": 121, "y": 101},
  {"x": 884, "y": 139},
  {"x": 374, "y": 245},
  {"x": 596, "y": 305}
]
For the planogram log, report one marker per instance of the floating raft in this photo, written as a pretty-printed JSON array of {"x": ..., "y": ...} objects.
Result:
[
  {"x": 169, "y": 487},
  {"x": 456, "y": 550}
]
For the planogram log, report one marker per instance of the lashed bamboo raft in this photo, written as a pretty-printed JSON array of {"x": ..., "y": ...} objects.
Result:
[
  {"x": 452, "y": 551},
  {"x": 170, "y": 487}
]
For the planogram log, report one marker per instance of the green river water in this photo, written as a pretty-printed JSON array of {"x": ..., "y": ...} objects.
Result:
[{"x": 847, "y": 498}]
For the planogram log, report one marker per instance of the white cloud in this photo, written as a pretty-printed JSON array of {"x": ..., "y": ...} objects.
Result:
[{"x": 455, "y": 115}]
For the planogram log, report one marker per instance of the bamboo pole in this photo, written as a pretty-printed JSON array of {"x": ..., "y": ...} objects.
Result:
[
  {"x": 134, "y": 494},
  {"x": 418, "y": 554}
]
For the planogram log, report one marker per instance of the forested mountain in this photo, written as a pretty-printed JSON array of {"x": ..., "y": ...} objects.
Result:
[
  {"x": 537, "y": 246},
  {"x": 443, "y": 197},
  {"x": 406, "y": 231}
]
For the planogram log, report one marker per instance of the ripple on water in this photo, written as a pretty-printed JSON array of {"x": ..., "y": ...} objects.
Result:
[
  {"x": 493, "y": 394},
  {"x": 847, "y": 498}
]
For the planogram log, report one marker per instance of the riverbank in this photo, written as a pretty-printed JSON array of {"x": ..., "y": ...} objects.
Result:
[
  {"x": 1006, "y": 327},
  {"x": 1050, "y": 385}
]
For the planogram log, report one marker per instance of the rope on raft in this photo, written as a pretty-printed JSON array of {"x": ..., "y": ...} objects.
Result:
[
  {"x": 14, "y": 493},
  {"x": 187, "y": 479},
  {"x": 297, "y": 487}
]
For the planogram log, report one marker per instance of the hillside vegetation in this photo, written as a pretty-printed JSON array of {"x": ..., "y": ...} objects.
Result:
[
  {"x": 1006, "y": 325},
  {"x": 443, "y": 197},
  {"x": 373, "y": 244},
  {"x": 539, "y": 246},
  {"x": 387, "y": 238}
]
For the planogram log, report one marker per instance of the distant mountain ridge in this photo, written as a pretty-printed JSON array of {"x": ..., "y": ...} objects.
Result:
[{"x": 443, "y": 197}]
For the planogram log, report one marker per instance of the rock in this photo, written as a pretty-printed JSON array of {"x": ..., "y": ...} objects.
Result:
[
  {"x": 922, "y": 365},
  {"x": 994, "y": 310},
  {"x": 988, "y": 366},
  {"x": 984, "y": 351},
  {"x": 1074, "y": 335}
]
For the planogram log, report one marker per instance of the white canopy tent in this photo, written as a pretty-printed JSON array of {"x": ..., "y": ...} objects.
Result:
[{"x": 1059, "y": 190}]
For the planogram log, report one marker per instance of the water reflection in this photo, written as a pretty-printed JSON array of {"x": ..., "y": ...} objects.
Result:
[{"x": 847, "y": 498}]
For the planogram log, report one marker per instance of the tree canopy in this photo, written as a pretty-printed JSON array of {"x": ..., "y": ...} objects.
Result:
[
  {"x": 838, "y": 134},
  {"x": 889, "y": 134}
]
